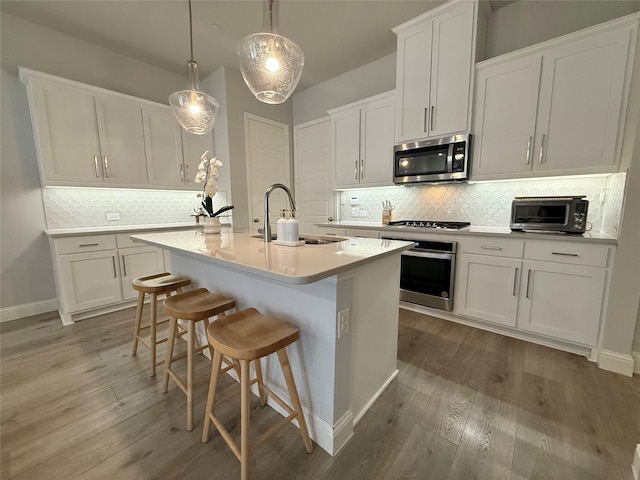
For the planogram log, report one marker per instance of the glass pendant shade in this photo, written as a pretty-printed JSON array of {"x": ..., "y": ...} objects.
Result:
[
  {"x": 195, "y": 110},
  {"x": 271, "y": 64}
]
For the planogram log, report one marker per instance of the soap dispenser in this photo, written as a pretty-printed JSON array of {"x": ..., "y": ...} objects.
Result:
[
  {"x": 292, "y": 228},
  {"x": 281, "y": 227}
]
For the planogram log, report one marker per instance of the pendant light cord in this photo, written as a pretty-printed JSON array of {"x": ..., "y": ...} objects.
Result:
[{"x": 190, "y": 31}]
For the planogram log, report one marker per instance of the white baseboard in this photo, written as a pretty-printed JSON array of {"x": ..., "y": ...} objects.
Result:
[
  {"x": 616, "y": 362},
  {"x": 364, "y": 410},
  {"x": 636, "y": 361},
  {"x": 636, "y": 464},
  {"x": 27, "y": 309}
]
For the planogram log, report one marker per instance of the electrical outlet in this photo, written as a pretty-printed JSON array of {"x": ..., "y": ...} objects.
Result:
[
  {"x": 362, "y": 213},
  {"x": 354, "y": 211},
  {"x": 112, "y": 217},
  {"x": 343, "y": 322}
]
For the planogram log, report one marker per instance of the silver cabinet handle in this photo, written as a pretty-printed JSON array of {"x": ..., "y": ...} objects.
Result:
[
  {"x": 426, "y": 109},
  {"x": 124, "y": 266},
  {"x": 529, "y": 150},
  {"x": 542, "y": 148},
  {"x": 528, "y": 281},
  {"x": 182, "y": 173},
  {"x": 88, "y": 245},
  {"x": 362, "y": 169},
  {"x": 106, "y": 166},
  {"x": 356, "y": 170},
  {"x": 188, "y": 181},
  {"x": 489, "y": 247},
  {"x": 115, "y": 274},
  {"x": 565, "y": 254},
  {"x": 433, "y": 120},
  {"x": 95, "y": 165},
  {"x": 515, "y": 282}
]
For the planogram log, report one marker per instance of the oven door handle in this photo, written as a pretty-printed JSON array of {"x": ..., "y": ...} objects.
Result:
[{"x": 438, "y": 256}]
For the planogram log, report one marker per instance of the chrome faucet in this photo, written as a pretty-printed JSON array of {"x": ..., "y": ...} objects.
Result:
[{"x": 267, "y": 225}]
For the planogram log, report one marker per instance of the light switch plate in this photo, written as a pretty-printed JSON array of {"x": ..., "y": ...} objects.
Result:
[
  {"x": 354, "y": 211},
  {"x": 362, "y": 213},
  {"x": 113, "y": 216}
]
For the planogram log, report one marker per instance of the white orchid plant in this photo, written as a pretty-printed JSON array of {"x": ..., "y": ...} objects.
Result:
[{"x": 208, "y": 171}]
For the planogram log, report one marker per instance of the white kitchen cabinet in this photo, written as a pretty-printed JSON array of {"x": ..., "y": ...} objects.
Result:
[
  {"x": 362, "y": 142},
  {"x": 165, "y": 166},
  {"x": 89, "y": 280},
  {"x": 571, "y": 96},
  {"x": 137, "y": 262},
  {"x": 436, "y": 54}
]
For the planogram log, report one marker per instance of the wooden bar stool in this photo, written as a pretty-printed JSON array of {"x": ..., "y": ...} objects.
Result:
[
  {"x": 245, "y": 336},
  {"x": 154, "y": 285},
  {"x": 193, "y": 306}
]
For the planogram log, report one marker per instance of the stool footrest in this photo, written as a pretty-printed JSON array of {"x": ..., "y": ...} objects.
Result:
[
  {"x": 181, "y": 385},
  {"x": 225, "y": 435}
]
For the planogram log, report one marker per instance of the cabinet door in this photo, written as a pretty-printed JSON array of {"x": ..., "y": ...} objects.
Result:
[
  {"x": 121, "y": 141},
  {"x": 90, "y": 280},
  {"x": 487, "y": 288},
  {"x": 193, "y": 146},
  {"x": 581, "y": 93},
  {"x": 376, "y": 143},
  {"x": 413, "y": 74},
  {"x": 137, "y": 262},
  {"x": 164, "y": 148},
  {"x": 345, "y": 128},
  {"x": 562, "y": 301},
  {"x": 64, "y": 122},
  {"x": 451, "y": 67},
  {"x": 504, "y": 135}
]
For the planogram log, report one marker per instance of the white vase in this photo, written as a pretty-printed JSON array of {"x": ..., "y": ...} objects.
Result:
[{"x": 211, "y": 225}]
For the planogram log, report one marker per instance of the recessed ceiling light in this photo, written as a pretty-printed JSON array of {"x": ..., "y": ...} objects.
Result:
[{"x": 215, "y": 26}]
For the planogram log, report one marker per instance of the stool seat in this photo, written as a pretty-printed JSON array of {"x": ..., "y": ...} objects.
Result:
[
  {"x": 191, "y": 307},
  {"x": 198, "y": 304},
  {"x": 154, "y": 285},
  {"x": 159, "y": 283},
  {"x": 248, "y": 335}
]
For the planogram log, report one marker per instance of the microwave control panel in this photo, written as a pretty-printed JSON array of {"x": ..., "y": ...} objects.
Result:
[{"x": 458, "y": 156}]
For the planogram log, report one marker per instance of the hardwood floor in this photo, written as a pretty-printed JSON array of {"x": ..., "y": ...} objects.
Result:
[{"x": 467, "y": 404}]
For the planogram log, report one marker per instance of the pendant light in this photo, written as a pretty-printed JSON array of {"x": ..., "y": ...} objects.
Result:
[
  {"x": 271, "y": 64},
  {"x": 195, "y": 110}
]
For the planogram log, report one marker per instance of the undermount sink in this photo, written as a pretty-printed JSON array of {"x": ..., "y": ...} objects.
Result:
[{"x": 311, "y": 239}]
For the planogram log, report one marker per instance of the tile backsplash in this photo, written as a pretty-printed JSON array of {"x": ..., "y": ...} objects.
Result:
[
  {"x": 489, "y": 203},
  {"x": 75, "y": 207}
]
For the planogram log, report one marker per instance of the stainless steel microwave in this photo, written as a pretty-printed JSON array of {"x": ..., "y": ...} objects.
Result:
[
  {"x": 550, "y": 214},
  {"x": 443, "y": 159}
]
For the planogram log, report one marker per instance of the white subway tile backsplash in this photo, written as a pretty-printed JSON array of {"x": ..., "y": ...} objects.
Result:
[
  {"x": 74, "y": 207},
  {"x": 489, "y": 203}
]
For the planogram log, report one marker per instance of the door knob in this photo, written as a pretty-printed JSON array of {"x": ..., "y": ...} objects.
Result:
[{"x": 256, "y": 220}]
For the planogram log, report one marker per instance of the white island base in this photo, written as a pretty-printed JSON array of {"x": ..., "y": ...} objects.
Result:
[{"x": 339, "y": 374}]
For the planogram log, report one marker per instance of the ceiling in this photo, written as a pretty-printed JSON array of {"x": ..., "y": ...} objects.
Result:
[{"x": 335, "y": 35}]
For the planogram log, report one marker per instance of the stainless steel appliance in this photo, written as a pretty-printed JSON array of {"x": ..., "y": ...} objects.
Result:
[
  {"x": 550, "y": 214},
  {"x": 427, "y": 270},
  {"x": 439, "y": 160}
]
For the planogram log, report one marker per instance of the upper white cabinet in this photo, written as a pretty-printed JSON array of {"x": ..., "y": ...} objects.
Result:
[
  {"x": 362, "y": 142},
  {"x": 557, "y": 108},
  {"x": 88, "y": 136},
  {"x": 436, "y": 54}
]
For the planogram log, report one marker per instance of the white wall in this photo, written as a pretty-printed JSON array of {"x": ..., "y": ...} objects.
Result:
[{"x": 25, "y": 267}]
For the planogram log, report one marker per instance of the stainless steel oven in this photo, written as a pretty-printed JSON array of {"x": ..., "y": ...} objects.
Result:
[{"x": 427, "y": 273}]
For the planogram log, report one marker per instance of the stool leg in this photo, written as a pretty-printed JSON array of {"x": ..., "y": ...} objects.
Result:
[
  {"x": 153, "y": 336},
  {"x": 173, "y": 323},
  {"x": 295, "y": 399},
  {"x": 136, "y": 328},
  {"x": 191, "y": 333},
  {"x": 211, "y": 398},
  {"x": 244, "y": 419},
  {"x": 261, "y": 392}
]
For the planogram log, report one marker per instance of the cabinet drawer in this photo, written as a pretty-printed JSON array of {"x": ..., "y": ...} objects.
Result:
[
  {"x": 563, "y": 252},
  {"x": 358, "y": 232},
  {"x": 498, "y": 247},
  {"x": 87, "y": 243},
  {"x": 124, "y": 240}
]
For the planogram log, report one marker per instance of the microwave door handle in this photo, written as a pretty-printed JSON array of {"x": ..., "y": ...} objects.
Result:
[{"x": 450, "y": 158}]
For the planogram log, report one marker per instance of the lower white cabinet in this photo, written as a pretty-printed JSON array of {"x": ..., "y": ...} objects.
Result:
[{"x": 94, "y": 272}]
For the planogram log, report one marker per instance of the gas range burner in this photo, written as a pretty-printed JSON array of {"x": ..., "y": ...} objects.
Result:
[{"x": 430, "y": 224}]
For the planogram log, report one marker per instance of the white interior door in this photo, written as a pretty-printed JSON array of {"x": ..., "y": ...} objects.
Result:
[
  {"x": 312, "y": 173},
  {"x": 267, "y": 149}
]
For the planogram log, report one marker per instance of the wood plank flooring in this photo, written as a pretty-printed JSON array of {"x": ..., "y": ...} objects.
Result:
[{"x": 467, "y": 404}]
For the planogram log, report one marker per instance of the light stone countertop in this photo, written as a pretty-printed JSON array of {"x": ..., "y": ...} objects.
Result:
[
  {"x": 293, "y": 265},
  {"x": 64, "y": 232},
  {"x": 490, "y": 231}
]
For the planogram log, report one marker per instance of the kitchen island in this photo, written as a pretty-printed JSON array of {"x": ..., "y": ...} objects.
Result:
[{"x": 343, "y": 296}]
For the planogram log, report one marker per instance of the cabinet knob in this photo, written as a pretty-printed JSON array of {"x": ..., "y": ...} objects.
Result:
[
  {"x": 256, "y": 220},
  {"x": 330, "y": 219}
]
